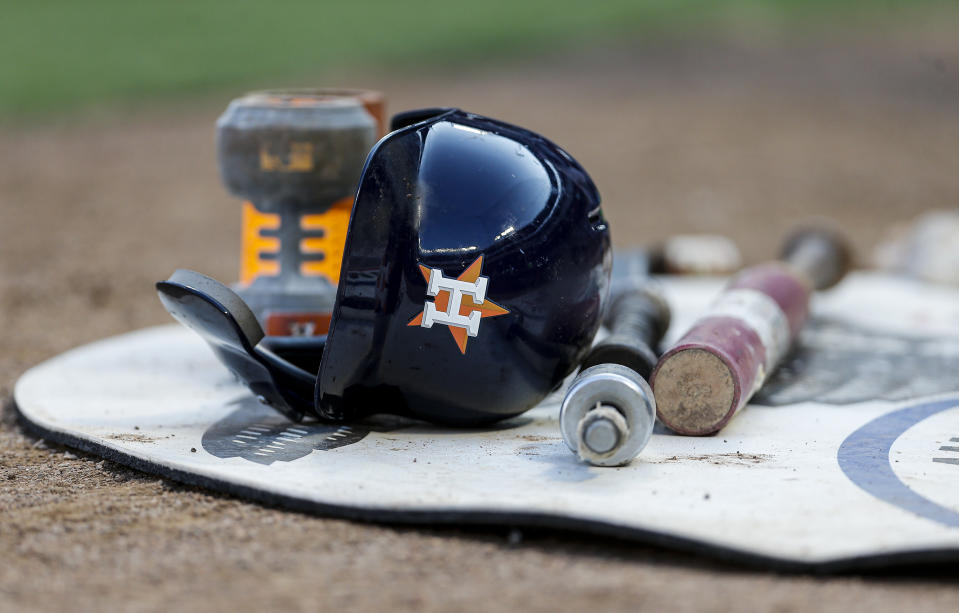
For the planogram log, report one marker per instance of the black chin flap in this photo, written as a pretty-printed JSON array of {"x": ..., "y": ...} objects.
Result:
[{"x": 226, "y": 323}]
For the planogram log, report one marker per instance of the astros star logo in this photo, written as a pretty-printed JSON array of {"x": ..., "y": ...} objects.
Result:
[{"x": 459, "y": 303}]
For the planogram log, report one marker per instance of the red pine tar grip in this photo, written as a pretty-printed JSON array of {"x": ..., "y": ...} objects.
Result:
[{"x": 716, "y": 367}]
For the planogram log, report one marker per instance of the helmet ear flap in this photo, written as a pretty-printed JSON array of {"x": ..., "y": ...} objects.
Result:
[
  {"x": 229, "y": 327},
  {"x": 243, "y": 329}
]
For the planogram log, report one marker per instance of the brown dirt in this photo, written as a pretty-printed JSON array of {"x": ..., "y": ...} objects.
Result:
[
  {"x": 740, "y": 139},
  {"x": 721, "y": 459}
]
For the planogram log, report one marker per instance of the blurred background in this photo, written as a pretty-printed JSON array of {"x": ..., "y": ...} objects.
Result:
[{"x": 741, "y": 117}]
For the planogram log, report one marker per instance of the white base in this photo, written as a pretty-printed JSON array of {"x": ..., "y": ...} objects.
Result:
[{"x": 797, "y": 485}]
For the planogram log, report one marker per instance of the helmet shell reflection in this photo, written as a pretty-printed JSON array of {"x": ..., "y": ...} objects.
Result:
[{"x": 474, "y": 275}]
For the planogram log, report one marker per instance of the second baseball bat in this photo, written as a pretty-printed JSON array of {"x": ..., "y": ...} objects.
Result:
[{"x": 716, "y": 367}]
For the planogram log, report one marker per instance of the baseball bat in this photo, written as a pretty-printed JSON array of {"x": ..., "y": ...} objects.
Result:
[{"x": 715, "y": 368}]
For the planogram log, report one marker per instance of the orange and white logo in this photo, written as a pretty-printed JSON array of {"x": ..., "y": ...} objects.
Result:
[{"x": 459, "y": 303}]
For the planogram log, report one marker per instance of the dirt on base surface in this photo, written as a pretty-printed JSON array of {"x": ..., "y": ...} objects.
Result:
[{"x": 735, "y": 139}]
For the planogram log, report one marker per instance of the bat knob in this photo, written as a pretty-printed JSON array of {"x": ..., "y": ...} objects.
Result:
[
  {"x": 607, "y": 415},
  {"x": 601, "y": 431}
]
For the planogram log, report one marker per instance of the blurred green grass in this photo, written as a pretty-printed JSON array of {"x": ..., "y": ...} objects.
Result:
[{"x": 63, "y": 55}]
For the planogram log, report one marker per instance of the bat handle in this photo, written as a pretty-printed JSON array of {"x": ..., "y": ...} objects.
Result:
[{"x": 637, "y": 320}]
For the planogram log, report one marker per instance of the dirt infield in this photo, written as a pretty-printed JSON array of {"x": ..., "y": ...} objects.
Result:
[{"x": 743, "y": 140}]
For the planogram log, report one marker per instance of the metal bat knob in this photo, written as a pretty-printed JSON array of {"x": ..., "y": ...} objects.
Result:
[{"x": 609, "y": 411}]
